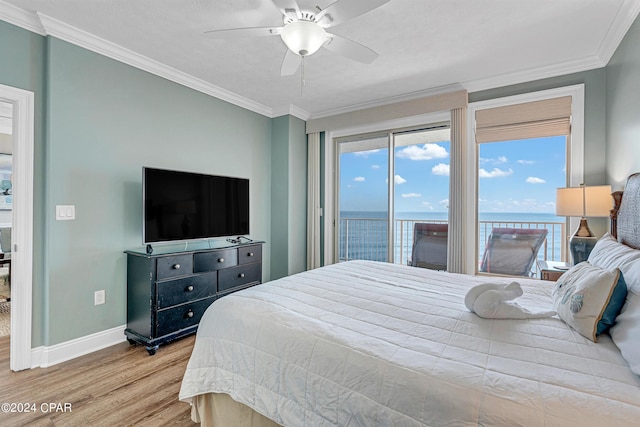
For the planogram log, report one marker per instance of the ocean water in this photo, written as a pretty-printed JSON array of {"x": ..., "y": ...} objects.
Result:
[{"x": 363, "y": 234}]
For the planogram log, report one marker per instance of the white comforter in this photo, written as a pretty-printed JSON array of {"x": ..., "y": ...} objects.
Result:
[{"x": 376, "y": 344}]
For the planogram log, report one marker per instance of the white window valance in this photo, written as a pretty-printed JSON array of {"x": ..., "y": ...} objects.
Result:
[
  {"x": 535, "y": 119},
  {"x": 414, "y": 107}
]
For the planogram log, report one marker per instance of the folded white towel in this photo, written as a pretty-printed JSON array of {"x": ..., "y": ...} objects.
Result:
[{"x": 489, "y": 300}]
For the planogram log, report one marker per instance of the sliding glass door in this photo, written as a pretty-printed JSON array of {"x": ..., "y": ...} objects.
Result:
[
  {"x": 383, "y": 196},
  {"x": 363, "y": 213}
]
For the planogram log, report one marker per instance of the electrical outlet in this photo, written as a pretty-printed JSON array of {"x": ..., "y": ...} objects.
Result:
[{"x": 99, "y": 297}]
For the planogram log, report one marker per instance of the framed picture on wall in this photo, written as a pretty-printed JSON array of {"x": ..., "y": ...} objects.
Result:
[{"x": 6, "y": 188}]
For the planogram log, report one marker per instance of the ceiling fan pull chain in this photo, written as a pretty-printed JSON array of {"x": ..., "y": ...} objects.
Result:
[{"x": 302, "y": 82}]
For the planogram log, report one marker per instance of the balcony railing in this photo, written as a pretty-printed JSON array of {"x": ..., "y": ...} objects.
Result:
[{"x": 366, "y": 238}]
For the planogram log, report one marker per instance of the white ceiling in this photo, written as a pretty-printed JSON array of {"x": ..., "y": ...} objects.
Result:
[{"x": 424, "y": 46}]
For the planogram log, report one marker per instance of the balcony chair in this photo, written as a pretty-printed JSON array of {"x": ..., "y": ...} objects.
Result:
[
  {"x": 429, "y": 246},
  {"x": 512, "y": 251}
]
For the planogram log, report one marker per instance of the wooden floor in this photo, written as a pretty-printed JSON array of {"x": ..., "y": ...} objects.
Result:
[{"x": 118, "y": 386}]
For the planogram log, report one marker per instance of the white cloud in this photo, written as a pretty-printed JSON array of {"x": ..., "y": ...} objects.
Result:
[
  {"x": 365, "y": 153},
  {"x": 444, "y": 203},
  {"x": 499, "y": 160},
  {"x": 359, "y": 179},
  {"x": 427, "y": 205},
  {"x": 425, "y": 152},
  {"x": 375, "y": 166},
  {"x": 440, "y": 169},
  {"x": 535, "y": 180},
  {"x": 411, "y": 195},
  {"x": 399, "y": 180},
  {"x": 495, "y": 173},
  {"x": 526, "y": 162}
]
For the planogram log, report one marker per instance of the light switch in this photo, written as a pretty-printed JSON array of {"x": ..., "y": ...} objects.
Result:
[{"x": 65, "y": 212}]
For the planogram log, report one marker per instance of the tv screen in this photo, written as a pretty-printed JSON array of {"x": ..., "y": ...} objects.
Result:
[{"x": 186, "y": 206}]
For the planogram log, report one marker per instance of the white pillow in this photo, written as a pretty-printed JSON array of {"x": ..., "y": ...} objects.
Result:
[
  {"x": 589, "y": 298},
  {"x": 608, "y": 253},
  {"x": 626, "y": 332}
]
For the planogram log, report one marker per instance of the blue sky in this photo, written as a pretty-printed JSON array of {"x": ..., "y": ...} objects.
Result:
[{"x": 515, "y": 176}]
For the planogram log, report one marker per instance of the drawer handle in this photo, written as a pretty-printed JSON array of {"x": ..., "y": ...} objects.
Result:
[
  {"x": 241, "y": 275},
  {"x": 190, "y": 314},
  {"x": 220, "y": 259},
  {"x": 250, "y": 254},
  {"x": 176, "y": 266},
  {"x": 189, "y": 288}
]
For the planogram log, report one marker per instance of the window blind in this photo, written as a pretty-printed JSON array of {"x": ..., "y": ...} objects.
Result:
[{"x": 535, "y": 119}]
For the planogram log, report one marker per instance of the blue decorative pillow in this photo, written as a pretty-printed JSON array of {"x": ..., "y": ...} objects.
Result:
[
  {"x": 589, "y": 298},
  {"x": 617, "y": 300}
]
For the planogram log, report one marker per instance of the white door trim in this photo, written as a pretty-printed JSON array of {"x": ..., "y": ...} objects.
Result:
[{"x": 22, "y": 225}]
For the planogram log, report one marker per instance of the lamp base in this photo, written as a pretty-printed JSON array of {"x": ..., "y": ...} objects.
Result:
[
  {"x": 582, "y": 242},
  {"x": 581, "y": 247}
]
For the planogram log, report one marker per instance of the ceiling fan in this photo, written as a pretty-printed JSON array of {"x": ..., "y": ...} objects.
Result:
[{"x": 303, "y": 31}]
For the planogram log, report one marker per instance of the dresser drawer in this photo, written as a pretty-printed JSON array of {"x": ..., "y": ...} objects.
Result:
[
  {"x": 174, "y": 266},
  {"x": 239, "y": 276},
  {"x": 179, "y": 291},
  {"x": 248, "y": 254},
  {"x": 181, "y": 317},
  {"x": 211, "y": 261}
]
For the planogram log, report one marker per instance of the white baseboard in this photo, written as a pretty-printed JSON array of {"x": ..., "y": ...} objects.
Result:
[{"x": 44, "y": 356}]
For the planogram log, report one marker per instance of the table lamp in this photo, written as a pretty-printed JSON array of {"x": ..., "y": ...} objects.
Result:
[{"x": 583, "y": 201}]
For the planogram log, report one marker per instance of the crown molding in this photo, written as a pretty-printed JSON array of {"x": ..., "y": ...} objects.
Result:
[
  {"x": 21, "y": 18},
  {"x": 68, "y": 33},
  {"x": 47, "y": 26},
  {"x": 539, "y": 73},
  {"x": 291, "y": 110},
  {"x": 626, "y": 16}
]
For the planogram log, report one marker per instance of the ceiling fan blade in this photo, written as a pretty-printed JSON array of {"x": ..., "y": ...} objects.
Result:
[
  {"x": 344, "y": 10},
  {"x": 290, "y": 64},
  {"x": 350, "y": 49},
  {"x": 288, "y": 7},
  {"x": 244, "y": 32}
]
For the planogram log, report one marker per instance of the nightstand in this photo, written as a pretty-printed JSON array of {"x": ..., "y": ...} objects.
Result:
[{"x": 552, "y": 270}]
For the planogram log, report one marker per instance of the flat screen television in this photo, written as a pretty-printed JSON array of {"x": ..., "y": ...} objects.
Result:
[{"x": 180, "y": 206}]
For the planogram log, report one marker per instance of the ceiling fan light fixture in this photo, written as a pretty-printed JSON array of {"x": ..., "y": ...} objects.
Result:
[{"x": 303, "y": 37}]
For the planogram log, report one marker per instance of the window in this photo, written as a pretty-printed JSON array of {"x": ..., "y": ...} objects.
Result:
[
  {"x": 523, "y": 148},
  {"x": 517, "y": 180}
]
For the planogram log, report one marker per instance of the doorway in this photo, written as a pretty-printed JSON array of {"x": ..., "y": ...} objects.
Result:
[
  {"x": 6, "y": 195},
  {"x": 22, "y": 127}
]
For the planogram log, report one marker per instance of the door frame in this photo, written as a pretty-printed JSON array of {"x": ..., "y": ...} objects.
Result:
[
  {"x": 22, "y": 224},
  {"x": 575, "y": 154}
]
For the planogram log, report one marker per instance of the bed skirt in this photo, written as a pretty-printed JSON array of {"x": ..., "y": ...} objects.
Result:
[{"x": 220, "y": 410}]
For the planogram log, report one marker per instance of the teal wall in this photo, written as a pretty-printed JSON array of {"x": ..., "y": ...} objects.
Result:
[
  {"x": 623, "y": 109},
  {"x": 289, "y": 196},
  {"x": 23, "y": 65},
  {"x": 280, "y": 196},
  {"x": 107, "y": 120},
  {"x": 297, "y": 195},
  {"x": 98, "y": 121}
]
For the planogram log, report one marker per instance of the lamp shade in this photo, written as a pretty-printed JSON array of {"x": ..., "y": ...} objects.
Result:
[
  {"x": 594, "y": 201},
  {"x": 303, "y": 37}
]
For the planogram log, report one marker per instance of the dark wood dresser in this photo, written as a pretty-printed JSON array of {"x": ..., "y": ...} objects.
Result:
[{"x": 168, "y": 293}]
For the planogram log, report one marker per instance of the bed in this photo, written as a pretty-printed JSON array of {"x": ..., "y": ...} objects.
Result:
[{"x": 366, "y": 343}]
